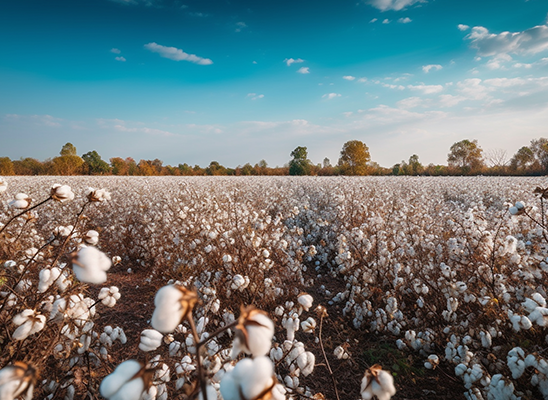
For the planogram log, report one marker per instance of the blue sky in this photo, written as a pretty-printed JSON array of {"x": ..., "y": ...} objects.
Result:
[{"x": 240, "y": 81}]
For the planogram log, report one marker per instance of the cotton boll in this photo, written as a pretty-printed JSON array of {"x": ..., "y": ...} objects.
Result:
[
  {"x": 122, "y": 384},
  {"x": 254, "y": 333},
  {"x": 516, "y": 362},
  {"x": 90, "y": 265},
  {"x": 308, "y": 325},
  {"x": 305, "y": 300},
  {"x": 377, "y": 382},
  {"x": 109, "y": 296},
  {"x": 151, "y": 339},
  {"x": 21, "y": 201},
  {"x": 91, "y": 237},
  {"x": 173, "y": 303},
  {"x": 306, "y": 362}
]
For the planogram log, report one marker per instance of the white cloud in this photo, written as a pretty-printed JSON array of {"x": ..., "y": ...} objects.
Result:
[
  {"x": 240, "y": 26},
  {"x": 463, "y": 27},
  {"x": 426, "y": 68},
  {"x": 123, "y": 59},
  {"x": 410, "y": 102},
  {"x": 473, "y": 89},
  {"x": 426, "y": 89},
  {"x": 255, "y": 96},
  {"x": 386, "y": 21},
  {"x": 405, "y": 20},
  {"x": 303, "y": 70},
  {"x": 330, "y": 96},
  {"x": 349, "y": 77},
  {"x": 396, "y": 5},
  {"x": 448, "y": 100},
  {"x": 115, "y": 50},
  {"x": 390, "y": 86},
  {"x": 373, "y": 20},
  {"x": 176, "y": 54},
  {"x": 45, "y": 120},
  {"x": 362, "y": 80},
  {"x": 290, "y": 61},
  {"x": 148, "y": 131},
  {"x": 530, "y": 41}
]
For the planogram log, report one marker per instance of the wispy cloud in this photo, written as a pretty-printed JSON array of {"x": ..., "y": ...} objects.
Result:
[
  {"x": 330, "y": 96},
  {"x": 290, "y": 61},
  {"x": 386, "y": 21},
  {"x": 395, "y": 5},
  {"x": 255, "y": 96},
  {"x": 240, "y": 26},
  {"x": 373, "y": 20},
  {"x": 115, "y": 50},
  {"x": 530, "y": 41},
  {"x": 176, "y": 54},
  {"x": 427, "y": 68},
  {"x": 405, "y": 20},
  {"x": 122, "y": 59},
  {"x": 349, "y": 77},
  {"x": 426, "y": 89},
  {"x": 303, "y": 70},
  {"x": 463, "y": 27}
]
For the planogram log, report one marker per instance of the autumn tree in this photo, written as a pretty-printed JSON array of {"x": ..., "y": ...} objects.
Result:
[
  {"x": 466, "y": 156},
  {"x": 539, "y": 147},
  {"x": 354, "y": 158},
  {"x": 6, "y": 166},
  {"x": 300, "y": 164}
]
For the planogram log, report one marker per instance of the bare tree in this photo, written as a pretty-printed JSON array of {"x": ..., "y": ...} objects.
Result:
[{"x": 496, "y": 158}]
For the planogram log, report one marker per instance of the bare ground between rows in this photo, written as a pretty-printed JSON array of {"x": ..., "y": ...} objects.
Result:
[{"x": 413, "y": 381}]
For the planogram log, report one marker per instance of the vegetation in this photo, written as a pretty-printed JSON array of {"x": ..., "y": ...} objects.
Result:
[{"x": 465, "y": 157}]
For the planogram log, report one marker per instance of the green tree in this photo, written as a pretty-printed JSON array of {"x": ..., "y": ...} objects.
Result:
[
  {"x": 539, "y": 147},
  {"x": 414, "y": 166},
  {"x": 94, "y": 164},
  {"x": 300, "y": 164},
  {"x": 68, "y": 150},
  {"x": 215, "y": 169},
  {"x": 523, "y": 161},
  {"x": 466, "y": 156},
  {"x": 354, "y": 158}
]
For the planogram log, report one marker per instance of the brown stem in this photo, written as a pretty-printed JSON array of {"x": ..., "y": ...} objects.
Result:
[
  {"x": 23, "y": 212},
  {"x": 200, "y": 371},
  {"x": 326, "y": 360}
]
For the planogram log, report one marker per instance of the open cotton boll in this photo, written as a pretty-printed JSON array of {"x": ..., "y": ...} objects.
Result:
[
  {"x": 90, "y": 265},
  {"x": 377, "y": 382},
  {"x": 151, "y": 339},
  {"x": 254, "y": 333},
  {"x": 173, "y": 303},
  {"x": 21, "y": 201},
  {"x": 29, "y": 323},
  {"x": 61, "y": 193},
  {"x": 91, "y": 237},
  {"x": 97, "y": 195},
  {"x": 17, "y": 380},
  {"x": 109, "y": 296},
  {"x": 248, "y": 379},
  {"x": 306, "y": 362},
  {"x": 305, "y": 300},
  {"x": 123, "y": 383}
]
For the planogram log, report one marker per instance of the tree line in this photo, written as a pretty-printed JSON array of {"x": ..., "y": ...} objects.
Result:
[{"x": 464, "y": 158}]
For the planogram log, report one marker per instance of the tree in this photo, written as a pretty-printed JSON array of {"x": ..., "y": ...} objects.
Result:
[
  {"x": 523, "y": 160},
  {"x": 354, "y": 158},
  {"x": 6, "y": 166},
  {"x": 215, "y": 169},
  {"x": 414, "y": 166},
  {"x": 94, "y": 164},
  {"x": 300, "y": 164},
  {"x": 68, "y": 150},
  {"x": 465, "y": 155},
  {"x": 539, "y": 147}
]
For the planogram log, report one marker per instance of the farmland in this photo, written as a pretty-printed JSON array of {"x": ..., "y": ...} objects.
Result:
[{"x": 441, "y": 281}]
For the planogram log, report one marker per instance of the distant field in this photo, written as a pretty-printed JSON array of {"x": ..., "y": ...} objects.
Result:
[{"x": 411, "y": 270}]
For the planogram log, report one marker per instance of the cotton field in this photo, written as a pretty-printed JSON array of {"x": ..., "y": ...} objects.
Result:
[{"x": 273, "y": 288}]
